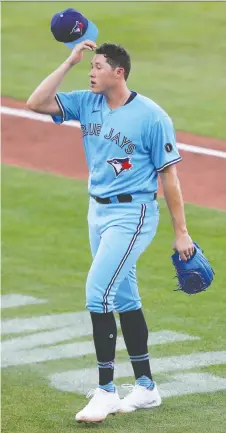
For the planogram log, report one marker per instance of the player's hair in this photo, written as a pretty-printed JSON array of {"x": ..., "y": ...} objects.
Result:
[{"x": 116, "y": 56}]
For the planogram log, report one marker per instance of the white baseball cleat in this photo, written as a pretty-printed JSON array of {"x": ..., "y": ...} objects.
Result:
[
  {"x": 140, "y": 398},
  {"x": 100, "y": 406}
]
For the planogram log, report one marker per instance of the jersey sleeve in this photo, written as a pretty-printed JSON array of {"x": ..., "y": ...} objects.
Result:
[
  {"x": 70, "y": 106},
  {"x": 164, "y": 150}
]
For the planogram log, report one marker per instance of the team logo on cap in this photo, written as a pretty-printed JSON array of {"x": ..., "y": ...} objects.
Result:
[
  {"x": 120, "y": 164},
  {"x": 77, "y": 28}
]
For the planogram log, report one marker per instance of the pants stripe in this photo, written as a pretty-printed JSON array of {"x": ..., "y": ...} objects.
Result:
[{"x": 141, "y": 221}]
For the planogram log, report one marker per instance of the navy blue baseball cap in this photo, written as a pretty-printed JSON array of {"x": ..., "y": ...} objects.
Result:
[{"x": 71, "y": 27}]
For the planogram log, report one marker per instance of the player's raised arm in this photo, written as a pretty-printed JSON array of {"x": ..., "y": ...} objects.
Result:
[{"x": 43, "y": 99}]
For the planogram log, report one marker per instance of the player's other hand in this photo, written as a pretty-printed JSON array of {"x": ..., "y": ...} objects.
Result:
[
  {"x": 78, "y": 51},
  {"x": 184, "y": 245}
]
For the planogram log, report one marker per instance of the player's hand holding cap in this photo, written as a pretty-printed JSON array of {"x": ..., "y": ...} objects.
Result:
[{"x": 71, "y": 28}]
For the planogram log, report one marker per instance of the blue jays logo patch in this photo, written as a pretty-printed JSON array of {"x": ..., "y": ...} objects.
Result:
[
  {"x": 77, "y": 28},
  {"x": 120, "y": 164}
]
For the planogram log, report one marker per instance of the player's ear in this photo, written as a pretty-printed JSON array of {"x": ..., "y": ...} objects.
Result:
[{"x": 120, "y": 72}]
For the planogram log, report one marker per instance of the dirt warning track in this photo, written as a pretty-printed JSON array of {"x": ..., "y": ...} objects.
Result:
[{"x": 41, "y": 145}]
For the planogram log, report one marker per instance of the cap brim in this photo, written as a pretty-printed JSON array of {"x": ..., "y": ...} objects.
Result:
[{"x": 91, "y": 34}]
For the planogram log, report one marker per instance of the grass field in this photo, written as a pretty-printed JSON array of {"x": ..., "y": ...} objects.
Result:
[
  {"x": 46, "y": 255},
  {"x": 178, "y": 54}
]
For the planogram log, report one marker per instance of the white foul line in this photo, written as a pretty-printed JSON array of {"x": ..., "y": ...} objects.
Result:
[
  {"x": 45, "y": 118},
  {"x": 18, "y": 112},
  {"x": 201, "y": 150}
]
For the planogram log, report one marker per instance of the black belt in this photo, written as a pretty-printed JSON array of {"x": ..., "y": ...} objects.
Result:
[{"x": 122, "y": 198}]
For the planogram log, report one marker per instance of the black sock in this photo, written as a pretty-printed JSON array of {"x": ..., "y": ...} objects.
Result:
[
  {"x": 135, "y": 333},
  {"x": 104, "y": 336}
]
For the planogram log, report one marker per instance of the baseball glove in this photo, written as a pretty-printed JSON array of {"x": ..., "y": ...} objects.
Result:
[{"x": 194, "y": 275}]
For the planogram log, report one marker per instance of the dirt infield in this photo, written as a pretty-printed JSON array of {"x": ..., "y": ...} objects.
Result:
[{"x": 58, "y": 149}]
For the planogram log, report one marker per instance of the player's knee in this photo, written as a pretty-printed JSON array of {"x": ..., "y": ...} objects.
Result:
[
  {"x": 97, "y": 307},
  {"x": 95, "y": 301},
  {"x": 96, "y": 304},
  {"x": 127, "y": 306}
]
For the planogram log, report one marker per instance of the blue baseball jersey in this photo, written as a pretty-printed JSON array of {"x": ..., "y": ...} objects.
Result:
[{"x": 125, "y": 148}]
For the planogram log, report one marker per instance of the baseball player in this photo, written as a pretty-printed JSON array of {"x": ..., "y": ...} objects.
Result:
[{"x": 128, "y": 140}]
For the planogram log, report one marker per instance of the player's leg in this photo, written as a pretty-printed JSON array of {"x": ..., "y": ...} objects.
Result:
[
  {"x": 144, "y": 394},
  {"x": 127, "y": 303},
  {"x": 122, "y": 242},
  {"x": 127, "y": 299},
  {"x": 105, "y": 399},
  {"x": 119, "y": 249},
  {"x": 134, "y": 328},
  {"x": 105, "y": 347},
  {"x": 123, "y": 239}
]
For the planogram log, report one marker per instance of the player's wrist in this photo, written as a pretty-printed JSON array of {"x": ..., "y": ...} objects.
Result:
[{"x": 181, "y": 231}]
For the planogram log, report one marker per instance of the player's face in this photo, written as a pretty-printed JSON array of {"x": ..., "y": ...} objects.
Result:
[{"x": 102, "y": 76}]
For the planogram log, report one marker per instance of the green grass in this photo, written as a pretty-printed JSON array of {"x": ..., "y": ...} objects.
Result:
[
  {"x": 177, "y": 49},
  {"x": 46, "y": 255}
]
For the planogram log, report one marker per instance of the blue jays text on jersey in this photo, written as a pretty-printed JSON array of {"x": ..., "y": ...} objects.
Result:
[
  {"x": 118, "y": 138},
  {"x": 125, "y": 148}
]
